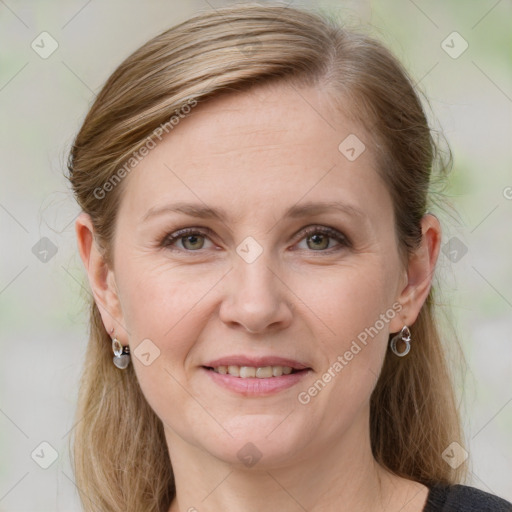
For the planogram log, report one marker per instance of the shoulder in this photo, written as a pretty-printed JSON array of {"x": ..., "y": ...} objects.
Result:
[{"x": 461, "y": 498}]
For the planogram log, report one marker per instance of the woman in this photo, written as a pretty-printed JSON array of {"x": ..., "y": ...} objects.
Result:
[{"x": 254, "y": 185}]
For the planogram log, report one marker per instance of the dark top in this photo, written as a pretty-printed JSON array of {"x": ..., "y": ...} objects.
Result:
[{"x": 460, "y": 498}]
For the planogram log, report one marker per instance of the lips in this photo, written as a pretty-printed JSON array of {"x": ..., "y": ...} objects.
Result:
[
  {"x": 251, "y": 381},
  {"x": 256, "y": 376},
  {"x": 256, "y": 362}
]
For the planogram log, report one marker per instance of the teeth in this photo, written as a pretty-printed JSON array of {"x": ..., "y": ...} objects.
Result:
[
  {"x": 247, "y": 371},
  {"x": 277, "y": 371},
  {"x": 234, "y": 370},
  {"x": 262, "y": 372}
]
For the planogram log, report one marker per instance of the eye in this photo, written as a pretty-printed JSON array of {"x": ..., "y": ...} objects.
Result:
[
  {"x": 191, "y": 239},
  {"x": 318, "y": 238}
]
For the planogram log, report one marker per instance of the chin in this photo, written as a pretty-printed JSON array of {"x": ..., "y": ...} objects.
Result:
[{"x": 258, "y": 441}]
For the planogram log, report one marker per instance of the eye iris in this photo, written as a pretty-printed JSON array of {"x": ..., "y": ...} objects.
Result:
[
  {"x": 193, "y": 239},
  {"x": 318, "y": 237}
]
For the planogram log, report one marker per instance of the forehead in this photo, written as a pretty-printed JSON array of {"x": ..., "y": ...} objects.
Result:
[{"x": 263, "y": 149}]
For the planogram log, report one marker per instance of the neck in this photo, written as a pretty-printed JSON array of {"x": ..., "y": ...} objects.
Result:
[{"x": 328, "y": 475}]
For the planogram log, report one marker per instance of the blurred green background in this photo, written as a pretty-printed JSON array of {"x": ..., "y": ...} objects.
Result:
[{"x": 42, "y": 311}]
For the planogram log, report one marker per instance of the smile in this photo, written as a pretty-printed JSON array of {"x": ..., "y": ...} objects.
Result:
[
  {"x": 261, "y": 372},
  {"x": 255, "y": 381}
]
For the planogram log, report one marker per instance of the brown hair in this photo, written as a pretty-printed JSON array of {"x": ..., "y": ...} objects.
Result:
[{"x": 120, "y": 456}]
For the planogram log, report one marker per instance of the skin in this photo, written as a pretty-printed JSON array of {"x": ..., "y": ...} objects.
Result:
[{"x": 255, "y": 154}]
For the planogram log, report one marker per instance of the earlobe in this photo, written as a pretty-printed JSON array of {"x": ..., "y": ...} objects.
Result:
[
  {"x": 101, "y": 277},
  {"x": 420, "y": 271}
]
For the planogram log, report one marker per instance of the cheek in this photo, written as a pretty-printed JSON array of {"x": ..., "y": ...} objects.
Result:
[
  {"x": 166, "y": 307},
  {"x": 355, "y": 309},
  {"x": 349, "y": 300},
  {"x": 158, "y": 299}
]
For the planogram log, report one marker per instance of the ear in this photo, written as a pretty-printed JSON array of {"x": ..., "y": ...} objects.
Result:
[
  {"x": 420, "y": 270},
  {"x": 101, "y": 277}
]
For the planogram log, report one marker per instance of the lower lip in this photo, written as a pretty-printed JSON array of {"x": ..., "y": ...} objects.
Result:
[{"x": 252, "y": 386}]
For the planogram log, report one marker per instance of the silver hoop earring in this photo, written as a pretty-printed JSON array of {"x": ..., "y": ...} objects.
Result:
[
  {"x": 405, "y": 336},
  {"x": 121, "y": 354}
]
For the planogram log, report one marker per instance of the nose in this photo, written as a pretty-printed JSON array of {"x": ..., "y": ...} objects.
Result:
[{"x": 257, "y": 298}]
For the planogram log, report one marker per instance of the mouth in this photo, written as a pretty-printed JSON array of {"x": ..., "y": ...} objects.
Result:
[
  {"x": 255, "y": 381},
  {"x": 258, "y": 372}
]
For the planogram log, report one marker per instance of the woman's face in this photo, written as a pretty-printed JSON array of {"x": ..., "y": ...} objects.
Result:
[{"x": 263, "y": 281}]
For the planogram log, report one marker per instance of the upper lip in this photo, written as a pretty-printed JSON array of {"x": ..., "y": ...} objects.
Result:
[{"x": 257, "y": 362}]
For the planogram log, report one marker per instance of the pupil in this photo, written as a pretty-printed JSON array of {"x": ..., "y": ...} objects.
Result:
[
  {"x": 192, "y": 239},
  {"x": 317, "y": 238}
]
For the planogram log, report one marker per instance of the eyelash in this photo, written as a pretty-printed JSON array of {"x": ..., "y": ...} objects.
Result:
[{"x": 168, "y": 240}]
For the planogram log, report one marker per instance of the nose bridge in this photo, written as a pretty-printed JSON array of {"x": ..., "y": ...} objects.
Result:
[
  {"x": 255, "y": 282},
  {"x": 257, "y": 297}
]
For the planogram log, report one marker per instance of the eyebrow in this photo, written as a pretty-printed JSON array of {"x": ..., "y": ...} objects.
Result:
[{"x": 203, "y": 211}]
